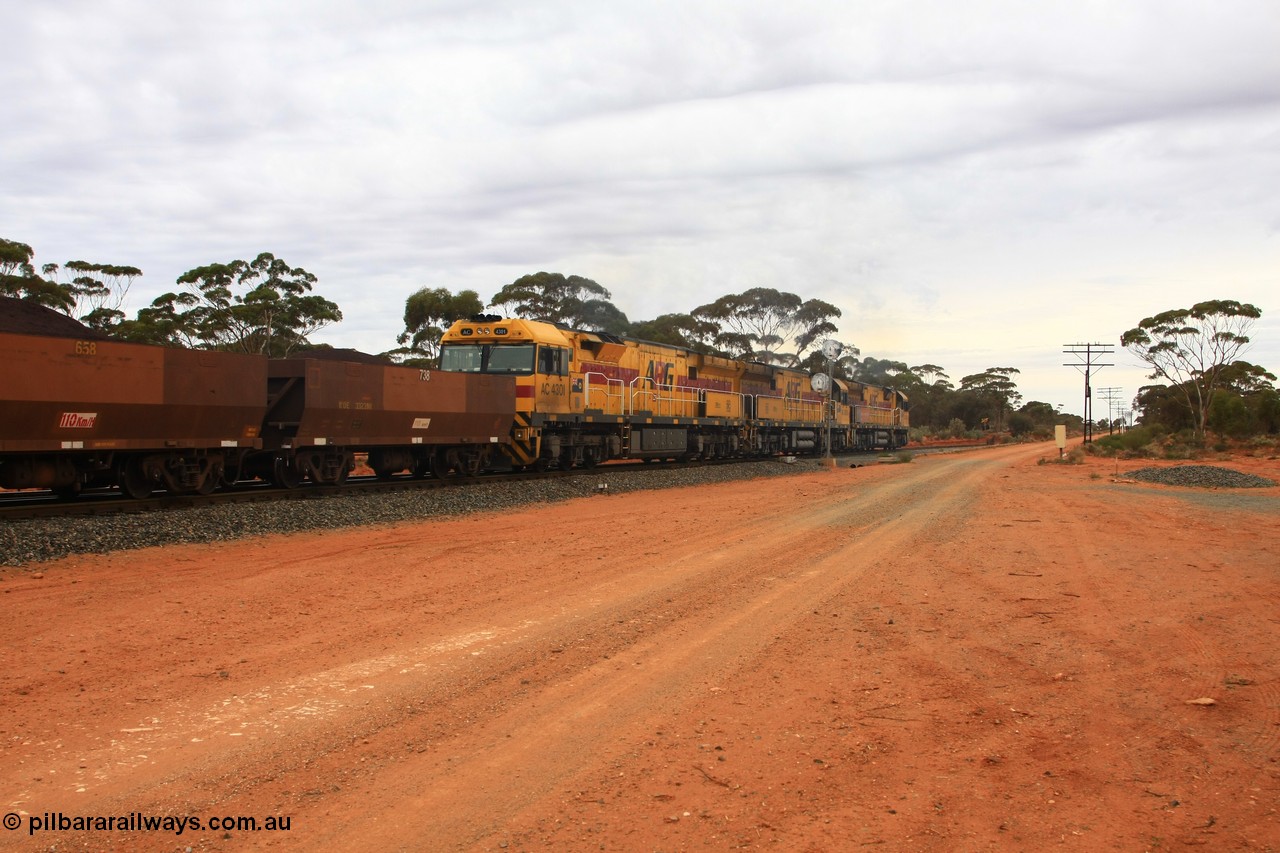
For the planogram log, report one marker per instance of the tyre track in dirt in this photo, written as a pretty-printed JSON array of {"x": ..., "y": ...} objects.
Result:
[{"x": 720, "y": 615}]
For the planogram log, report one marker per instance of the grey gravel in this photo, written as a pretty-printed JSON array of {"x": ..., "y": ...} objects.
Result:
[
  {"x": 1203, "y": 476},
  {"x": 34, "y": 540}
]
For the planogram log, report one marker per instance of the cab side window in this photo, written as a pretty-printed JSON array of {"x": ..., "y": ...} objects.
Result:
[{"x": 553, "y": 361}]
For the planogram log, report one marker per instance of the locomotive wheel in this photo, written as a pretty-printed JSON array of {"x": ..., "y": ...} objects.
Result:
[
  {"x": 133, "y": 482},
  {"x": 590, "y": 457}
]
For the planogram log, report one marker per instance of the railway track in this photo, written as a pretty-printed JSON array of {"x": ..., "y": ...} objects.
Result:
[{"x": 95, "y": 502}]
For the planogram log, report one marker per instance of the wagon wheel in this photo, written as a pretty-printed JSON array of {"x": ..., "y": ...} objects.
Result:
[
  {"x": 422, "y": 467},
  {"x": 209, "y": 484},
  {"x": 471, "y": 464},
  {"x": 440, "y": 466},
  {"x": 212, "y": 478},
  {"x": 70, "y": 492},
  {"x": 133, "y": 480},
  {"x": 284, "y": 474}
]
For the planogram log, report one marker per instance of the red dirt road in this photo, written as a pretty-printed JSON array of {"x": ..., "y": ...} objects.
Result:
[{"x": 966, "y": 652}]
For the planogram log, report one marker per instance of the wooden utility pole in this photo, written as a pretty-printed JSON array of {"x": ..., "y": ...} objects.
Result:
[{"x": 1084, "y": 354}]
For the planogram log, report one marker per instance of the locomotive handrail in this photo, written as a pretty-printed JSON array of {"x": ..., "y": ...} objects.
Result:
[
  {"x": 793, "y": 407},
  {"x": 673, "y": 399},
  {"x": 620, "y": 396}
]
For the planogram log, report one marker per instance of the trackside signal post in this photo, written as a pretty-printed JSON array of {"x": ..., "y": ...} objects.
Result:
[{"x": 831, "y": 348}]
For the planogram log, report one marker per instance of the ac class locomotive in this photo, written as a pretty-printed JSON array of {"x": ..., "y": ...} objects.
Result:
[
  {"x": 79, "y": 412},
  {"x": 587, "y": 397}
]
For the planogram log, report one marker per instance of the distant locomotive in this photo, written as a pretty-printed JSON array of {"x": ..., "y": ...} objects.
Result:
[{"x": 78, "y": 412}]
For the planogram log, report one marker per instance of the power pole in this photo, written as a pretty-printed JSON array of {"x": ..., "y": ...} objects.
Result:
[
  {"x": 1112, "y": 396},
  {"x": 1085, "y": 354}
]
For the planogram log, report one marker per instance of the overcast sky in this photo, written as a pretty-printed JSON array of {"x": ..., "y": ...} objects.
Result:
[{"x": 973, "y": 184}]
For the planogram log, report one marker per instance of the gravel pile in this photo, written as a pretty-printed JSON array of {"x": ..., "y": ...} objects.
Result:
[
  {"x": 34, "y": 540},
  {"x": 1204, "y": 476}
]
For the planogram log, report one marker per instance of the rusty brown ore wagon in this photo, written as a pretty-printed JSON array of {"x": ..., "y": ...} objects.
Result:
[
  {"x": 78, "y": 412},
  {"x": 320, "y": 413}
]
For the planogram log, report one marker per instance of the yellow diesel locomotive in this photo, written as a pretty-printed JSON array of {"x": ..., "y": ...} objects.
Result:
[{"x": 583, "y": 398}]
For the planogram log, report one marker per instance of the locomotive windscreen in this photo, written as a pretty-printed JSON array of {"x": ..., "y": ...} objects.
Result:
[{"x": 508, "y": 359}]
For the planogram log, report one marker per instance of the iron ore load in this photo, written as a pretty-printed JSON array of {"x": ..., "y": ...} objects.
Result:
[{"x": 78, "y": 410}]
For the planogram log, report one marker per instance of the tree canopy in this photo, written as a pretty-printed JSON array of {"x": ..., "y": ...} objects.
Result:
[
  {"x": 996, "y": 388},
  {"x": 761, "y": 323},
  {"x": 18, "y": 279},
  {"x": 261, "y": 306},
  {"x": 99, "y": 291},
  {"x": 556, "y": 298},
  {"x": 428, "y": 313},
  {"x": 1191, "y": 347}
]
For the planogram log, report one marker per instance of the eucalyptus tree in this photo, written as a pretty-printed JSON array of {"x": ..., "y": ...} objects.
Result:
[
  {"x": 263, "y": 305},
  {"x": 99, "y": 290},
  {"x": 882, "y": 371},
  {"x": 680, "y": 330},
  {"x": 1191, "y": 347},
  {"x": 996, "y": 388},
  {"x": 759, "y": 323},
  {"x": 428, "y": 313},
  {"x": 556, "y": 298},
  {"x": 19, "y": 279}
]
